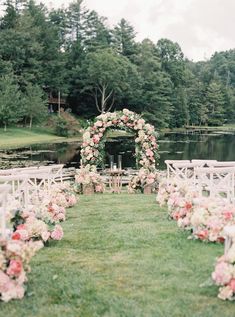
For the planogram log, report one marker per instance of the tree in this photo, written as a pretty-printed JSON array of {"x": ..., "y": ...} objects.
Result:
[
  {"x": 215, "y": 104},
  {"x": 172, "y": 59},
  {"x": 10, "y": 17},
  {"x": 156, "y": 86},
  {"x": 180, "y": 113},
  {"x": 10, "y": 101},
  {"x": 96, "y": 33},
  {"x": 106, "y": 76},
  {"x": 123, "y": 38},
  {"x": 34, "y": 104},
  {"x": 198, "y": 112}
]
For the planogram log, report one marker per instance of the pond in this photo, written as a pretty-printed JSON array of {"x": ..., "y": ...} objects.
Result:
[{"x": 188, "y": 145}]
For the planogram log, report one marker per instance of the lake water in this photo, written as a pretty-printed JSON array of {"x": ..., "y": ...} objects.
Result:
[{"x": 190, "y": 145}]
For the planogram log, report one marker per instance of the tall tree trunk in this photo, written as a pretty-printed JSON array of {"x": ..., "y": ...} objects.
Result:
[
  {"x": 59, "y": 103},
  {"x": 30, "y": 122}
]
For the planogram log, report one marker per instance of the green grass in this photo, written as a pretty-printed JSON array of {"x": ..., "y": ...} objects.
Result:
[
  {"x": 19, "y": 137},
  {"x": 121, "y": 257},
  {"x": 230, "y": 127}
]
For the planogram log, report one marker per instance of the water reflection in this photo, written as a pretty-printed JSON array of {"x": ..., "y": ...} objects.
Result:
[{"x": 181, "y": 146}]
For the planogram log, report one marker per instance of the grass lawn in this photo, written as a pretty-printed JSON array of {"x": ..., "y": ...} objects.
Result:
[
  {"x": 19, "y": 137},
  {"x": 120, "y": 256}
]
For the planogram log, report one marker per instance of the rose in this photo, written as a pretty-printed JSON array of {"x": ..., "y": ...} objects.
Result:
[
  {"x": 15, "y": 268},
  {"x": 228, "y": 215},
  {"x": 202, "y": 235},
  {"x": 232, "y": 284},
  {"x": 20, "y": 234},
  {"x": 57, "y": 233},
  {"x": 15, "y": 236}
]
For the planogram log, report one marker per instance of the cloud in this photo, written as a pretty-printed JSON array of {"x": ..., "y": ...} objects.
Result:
[{"x": 200, "y": 27}]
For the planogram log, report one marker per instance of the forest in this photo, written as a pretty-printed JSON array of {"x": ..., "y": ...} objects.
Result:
[{"x": 74, "y": 53}]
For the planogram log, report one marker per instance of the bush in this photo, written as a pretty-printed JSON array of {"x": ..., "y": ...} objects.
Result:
[{"x": 61, "y": 127}]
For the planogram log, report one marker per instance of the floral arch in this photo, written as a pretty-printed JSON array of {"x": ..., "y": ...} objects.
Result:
[{"x": 92, "y": 149}]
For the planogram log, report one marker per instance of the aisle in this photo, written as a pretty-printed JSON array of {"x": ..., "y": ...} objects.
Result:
[{"x": 120, "y": 256}]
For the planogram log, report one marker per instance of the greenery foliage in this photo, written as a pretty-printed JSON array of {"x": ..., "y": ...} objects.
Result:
[{"x": 98, "y": 68}]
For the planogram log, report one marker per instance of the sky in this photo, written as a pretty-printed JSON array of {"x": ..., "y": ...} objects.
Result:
[{"x": 200, "y": 27}]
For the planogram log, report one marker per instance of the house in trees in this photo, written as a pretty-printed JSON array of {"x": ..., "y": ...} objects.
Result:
[{"x": 55, "y": 103}]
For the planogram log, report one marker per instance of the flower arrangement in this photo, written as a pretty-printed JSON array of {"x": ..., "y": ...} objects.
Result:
[
  {"x": 27, "y": 226},
  {"x": 224, "y": 275},
  {"x": 32, "y": 229},
  {"x": 203, "y": 216},
  {"x": 86, "y": 177},
  {"x": 63, "y": 195},
  {"x": 145, "y": 140},
  {"x": 143, "y": 179},
  {"x": 206, "y": 218},
  {"x": 15, "y": 256}
]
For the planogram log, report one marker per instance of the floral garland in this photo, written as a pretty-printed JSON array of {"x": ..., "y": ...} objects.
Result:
[
  {"x": 32, "y": 228},
  {"x": 93, "y": 139},
  {"x": 206, "y": 219}
]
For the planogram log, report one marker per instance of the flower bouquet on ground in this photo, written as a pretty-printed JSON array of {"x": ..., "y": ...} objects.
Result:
[
  {"x": 145, "y": 181},
  {"x": 89, "y": 182},
  {"x": 15, "y": 256},
  {"x": 63, "y": 195},
  {"x": 168, "y": 187},
  {"x": 26, "y": 227},
  {"x": 210, "y": 217},
  {"x": 224, "y": 275}
]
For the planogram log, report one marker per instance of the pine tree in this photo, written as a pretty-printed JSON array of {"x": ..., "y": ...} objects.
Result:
[
  {"x": 215, "y": 104},
  {"x": 123, "y": 38},
  {"x": 10, "y": 101}
]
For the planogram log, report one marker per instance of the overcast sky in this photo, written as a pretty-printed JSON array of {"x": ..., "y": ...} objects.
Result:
[{"x": 201, "y": 27}]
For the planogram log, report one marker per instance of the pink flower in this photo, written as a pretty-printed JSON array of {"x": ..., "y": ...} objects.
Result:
[
  {"x": 20, "y": 234},
  {"x": 15, "y": 236},
  {"x": 98, "y": 188},
  {"x": 57, "y": 233},
  {"x": 202, "y": 235},
  {"x": 232, "y": 284},
  {"x": 225, "y": 293},
  {"x": 96, "y": 139},
  {"x": 45, "y": 235},
  {"x": 188, "y": 205},
  {"x": 4, "y": 282},
  {"x": 15, "y": 267},
  {"x": 228, "y": 215},
  {"x": 223, "y": 273},
  {"x": 21, "y": 227},
  {"x": 60, "y": 216},
  {"x": 149, "y": 152}
]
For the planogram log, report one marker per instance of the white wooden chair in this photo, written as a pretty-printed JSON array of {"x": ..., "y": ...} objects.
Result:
[
  {"x": 19, "y": 188},
  {"x": 38, "y": 180},
  {"x": 56, "y": 173},
  {"x": 216, "y": 181},
  {"x": 204, "y": 163},
  {"x": 184, "y": 172},
  {"x": 4, "y": 190},
  {"x": 222, "y": 164},
  {"x": 170, "y": 169}
]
